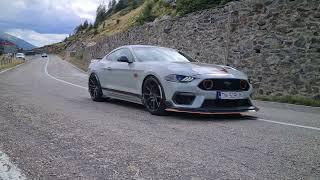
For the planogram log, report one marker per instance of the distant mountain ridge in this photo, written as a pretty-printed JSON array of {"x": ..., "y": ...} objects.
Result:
[{"x": 17, "y": 41}]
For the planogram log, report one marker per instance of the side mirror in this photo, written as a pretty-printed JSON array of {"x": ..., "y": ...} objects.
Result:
[{"x": 124, "y": 59}]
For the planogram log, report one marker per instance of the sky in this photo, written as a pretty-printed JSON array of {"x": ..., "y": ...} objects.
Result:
[{"x": 43, "y": 22}]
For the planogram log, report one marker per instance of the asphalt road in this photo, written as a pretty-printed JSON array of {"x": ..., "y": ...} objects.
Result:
[{"x": 50, "y": 129}]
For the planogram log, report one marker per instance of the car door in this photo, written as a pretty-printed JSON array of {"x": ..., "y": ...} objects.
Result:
[
  {"x": 104, "y": 72},
  {"x": 123, "y": 74}
]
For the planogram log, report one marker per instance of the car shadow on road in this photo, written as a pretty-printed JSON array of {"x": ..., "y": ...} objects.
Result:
[{"x": 186, "y": 116}]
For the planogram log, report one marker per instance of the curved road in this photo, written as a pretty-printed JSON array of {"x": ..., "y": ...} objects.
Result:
[{"x": 50, "y": 129}]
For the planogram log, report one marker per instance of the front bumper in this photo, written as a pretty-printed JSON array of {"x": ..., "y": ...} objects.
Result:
[{"x": 199, "y": 101}]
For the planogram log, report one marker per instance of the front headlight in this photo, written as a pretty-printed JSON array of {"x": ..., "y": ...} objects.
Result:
[{"x": 179, "y": 78}]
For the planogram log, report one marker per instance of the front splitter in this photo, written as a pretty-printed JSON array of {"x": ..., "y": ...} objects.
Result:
[{"x": 212, "y": 112}]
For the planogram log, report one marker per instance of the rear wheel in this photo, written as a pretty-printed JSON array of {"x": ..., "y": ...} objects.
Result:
[
  {"x": 95, "y": 89},
  {"x": 153, "y": 96}
]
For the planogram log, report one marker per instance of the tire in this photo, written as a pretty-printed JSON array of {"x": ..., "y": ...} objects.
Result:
[
  {"x": 153, "y": 96},
  {"x": 95, "y": 88}
]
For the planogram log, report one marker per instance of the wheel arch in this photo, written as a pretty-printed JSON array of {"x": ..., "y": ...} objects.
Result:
[{"x": 157, "y": 78}]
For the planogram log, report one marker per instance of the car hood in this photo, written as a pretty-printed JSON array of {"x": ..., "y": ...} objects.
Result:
[{"x": 203, "y": 69}]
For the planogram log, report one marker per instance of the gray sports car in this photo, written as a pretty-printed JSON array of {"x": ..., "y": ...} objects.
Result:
[{"x": 164, "y": 79}]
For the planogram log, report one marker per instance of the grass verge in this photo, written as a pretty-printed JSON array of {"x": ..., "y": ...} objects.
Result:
[
  {"x": 12, "y": 64},
  {"x": 79, "y": 61},
  {"x": 291, "y": 100}
]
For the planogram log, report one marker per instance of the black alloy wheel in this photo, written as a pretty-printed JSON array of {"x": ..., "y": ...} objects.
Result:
[
  {"x": 153, "y": 96},
  {"x": 95, "y": 89}
]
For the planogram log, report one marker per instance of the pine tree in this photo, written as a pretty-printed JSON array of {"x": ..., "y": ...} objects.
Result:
[
  {"x": 85, "y": 24},
  {"x": 101, "y": 14}
]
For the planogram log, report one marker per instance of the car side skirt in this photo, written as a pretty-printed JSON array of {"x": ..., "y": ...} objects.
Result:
[{"x": 122, "y": 95}]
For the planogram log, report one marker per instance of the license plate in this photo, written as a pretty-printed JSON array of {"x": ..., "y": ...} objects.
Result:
[{"x": 230, "y": 95}]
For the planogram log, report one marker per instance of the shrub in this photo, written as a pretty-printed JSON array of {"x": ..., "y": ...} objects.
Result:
[
  {"x": 146, "y": 15},
  {"x": 95, "y": 32},
  {"x": 120, "y": 5}
]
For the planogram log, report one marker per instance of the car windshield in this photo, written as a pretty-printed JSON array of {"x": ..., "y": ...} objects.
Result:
[
  {"x": 19, "y": 54},
  {"x": 146, "y": 54}
]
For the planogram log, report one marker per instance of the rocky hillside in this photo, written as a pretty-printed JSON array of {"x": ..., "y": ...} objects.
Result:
[{"x": 276, "y": 42}]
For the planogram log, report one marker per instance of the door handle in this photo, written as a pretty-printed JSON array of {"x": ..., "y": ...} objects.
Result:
[{"x": 107, "y": 68}]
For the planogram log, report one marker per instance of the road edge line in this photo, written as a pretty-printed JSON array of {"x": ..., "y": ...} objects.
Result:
[
  {"x": 47, "y": 73},
  {"x": 3, "y": 71},
  {"x": 289, "y": 124},
  {"x": 288, "y": 105},
  {"x": 9, "y": 170}
]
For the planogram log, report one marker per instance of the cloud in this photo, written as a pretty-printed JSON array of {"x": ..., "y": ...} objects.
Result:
[
  {"x": 36, "y": 38},
  {"x": 45, "y": 21},
  {"x": 84, "y": 9},
  {"x": 46, "y": 16}
]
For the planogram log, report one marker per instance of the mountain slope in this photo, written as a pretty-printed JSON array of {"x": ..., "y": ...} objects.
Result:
[{"x": 19, "y": 42}]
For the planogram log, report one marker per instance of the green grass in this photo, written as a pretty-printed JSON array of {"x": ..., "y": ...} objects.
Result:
[
  {"x": 12, "y": 64},
  {"x": 291, "y": 100}
]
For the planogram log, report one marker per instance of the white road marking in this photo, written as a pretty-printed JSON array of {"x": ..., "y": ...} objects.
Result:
[
  {"x": 8, "y": 170},
  {"x": 46, "y": 71},
  {"x": 264, "y": 120},
  {"x": 289, "y": 124},
  {"x": 10, "y": 68}
]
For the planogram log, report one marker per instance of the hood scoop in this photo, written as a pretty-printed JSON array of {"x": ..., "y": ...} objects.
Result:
[{"x": 211, "y": 70}]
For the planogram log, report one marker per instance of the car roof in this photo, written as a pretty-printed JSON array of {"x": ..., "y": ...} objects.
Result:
[
  {"x": 140, "y": 46},
  {"x": 136, "y": 46}
]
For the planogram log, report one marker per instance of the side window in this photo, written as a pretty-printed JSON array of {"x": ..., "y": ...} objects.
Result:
[
  {"x": 124, "y": 52},
  {"x": 114, "y": 56},
  {"x": 111, "y": 57}
]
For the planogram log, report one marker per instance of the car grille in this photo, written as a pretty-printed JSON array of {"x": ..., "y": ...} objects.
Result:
[
  {"x": 224, "y": 85},
  {"x": 226, "y": 103}
]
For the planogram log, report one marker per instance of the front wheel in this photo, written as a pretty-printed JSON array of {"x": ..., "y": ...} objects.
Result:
[
  {"x": 95, "y": 89},
  {"x": 153, "y": 96}
]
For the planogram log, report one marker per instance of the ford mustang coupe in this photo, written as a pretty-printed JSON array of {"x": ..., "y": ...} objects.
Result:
[{"x": 164, "y": 79}]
